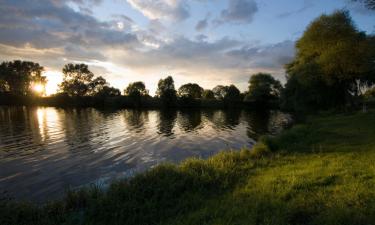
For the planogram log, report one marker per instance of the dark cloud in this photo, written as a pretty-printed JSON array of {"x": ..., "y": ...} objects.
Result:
[
  {"x": 239, "y": 11},
  {"x": 44, "y": 24},
  {"x": 271, "y": 56}
]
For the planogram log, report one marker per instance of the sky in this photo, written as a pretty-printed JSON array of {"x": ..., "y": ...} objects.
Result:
[{"x": 209, "y": 42}]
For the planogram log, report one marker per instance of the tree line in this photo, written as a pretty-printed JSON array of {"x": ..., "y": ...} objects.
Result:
[
  {"x": 19, "y": 77},
  {"x": 334, "y": 67}
]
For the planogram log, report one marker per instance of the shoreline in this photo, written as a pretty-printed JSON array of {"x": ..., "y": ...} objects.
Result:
[{"x": 290, "y": 179}]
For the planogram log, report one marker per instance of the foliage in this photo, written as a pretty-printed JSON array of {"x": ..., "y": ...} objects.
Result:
[
  {"x": 78, "y": 81},
  {"x": 18, "y": 76},
  {"x": 136, "y": 89},
  {"x": 333, "y": 56},
  {"x": 166, "y": 91},
  {"x": 263, "y": 88},
  {"x": 190, "y": 91},
  {"x": 208, "y": 94},
  {"x": 107, "y": 91},
  {"x": 97, "y": 85},
  {"x": 227, "y": 93}
]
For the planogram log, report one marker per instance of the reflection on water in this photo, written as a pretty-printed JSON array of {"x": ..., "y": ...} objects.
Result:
[{"x": 44, "y": 151}]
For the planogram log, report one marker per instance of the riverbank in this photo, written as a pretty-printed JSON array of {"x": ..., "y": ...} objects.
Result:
[{"x": 319, "y": 172}]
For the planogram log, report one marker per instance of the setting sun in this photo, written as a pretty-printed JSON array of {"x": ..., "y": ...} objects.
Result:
[{"x": 39, "y": 88}]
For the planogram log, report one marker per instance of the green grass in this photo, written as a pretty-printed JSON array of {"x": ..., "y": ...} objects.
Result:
[{"x": 319, "y": 172}]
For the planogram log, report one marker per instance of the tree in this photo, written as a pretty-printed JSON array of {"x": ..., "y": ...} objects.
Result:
[
  {"x": 76, "y": 80},
  {"x": 18, "y": 77},
  {"x": 227, "y": 93},
  {"x": 263, "y": 88},
  {"x": 220, "y": 92},
  {"x": 166, "y": 91},
  {"x": 97, "y": 85},
  {"x": 208, "y": 94},
  {"x": 107, "y": 91},
  {"x": 136, "y": 89},
  {"x": 232, "y": 94},
  {"x": 4, "y": 87},
  {"x": 190, "y": 91},
  {"x": 334, "y": 58}
]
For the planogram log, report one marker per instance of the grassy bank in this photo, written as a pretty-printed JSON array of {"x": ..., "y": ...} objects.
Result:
[{"x": 320, "y": 172}]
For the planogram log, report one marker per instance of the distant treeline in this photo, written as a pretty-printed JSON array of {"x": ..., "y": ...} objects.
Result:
[
  {"x": 80, "y": 88},
  {"x": 334, "y": 67}
]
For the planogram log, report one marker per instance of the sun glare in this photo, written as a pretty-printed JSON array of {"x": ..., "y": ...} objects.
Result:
[
  {"x": 39, "y": 88},
  {"x": 54, "y": 78}
]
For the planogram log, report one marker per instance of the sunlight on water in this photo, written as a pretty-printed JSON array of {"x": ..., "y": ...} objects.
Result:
[{"x": 44, "y": 151}]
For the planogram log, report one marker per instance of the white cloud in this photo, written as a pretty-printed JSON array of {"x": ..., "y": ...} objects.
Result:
[{"x": 162, "y": 9}]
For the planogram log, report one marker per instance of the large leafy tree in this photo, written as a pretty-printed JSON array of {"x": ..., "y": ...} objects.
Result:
[
  {"x": 190, "y": 90},
  {"x": 263, "y": 88},
  {"x": 79, "y": 81},
  {"x": 227, "y": 93},
  {"x": 220, "y": 92},
  {"x": 97, "y": 85},
  {"x": 18, "y": 77},
  {"x": 108, "y": 91},
  {"x": 136, "y": 89},
  {"x": 166, "y": 91},
  {"x": 76, "y": 80},
  {"x": 334, "y": 58},
  {"x": 208, "y": 94}
]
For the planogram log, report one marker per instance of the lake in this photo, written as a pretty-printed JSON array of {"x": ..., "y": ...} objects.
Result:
[{"x": 45, "y": 150}]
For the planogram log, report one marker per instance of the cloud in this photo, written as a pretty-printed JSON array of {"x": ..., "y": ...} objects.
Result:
[
  {"x": 306, "y": 5},
  {"x": 44, "y": 24},
  {"x": 162, "y": 9},
  {"x": 365, "y": 7},
  {"x": 201, "y": 25},
  {"x": 239, "y": 11},
  {"x": 273, "y": 56},
  {"x": 52, "y": 33}
]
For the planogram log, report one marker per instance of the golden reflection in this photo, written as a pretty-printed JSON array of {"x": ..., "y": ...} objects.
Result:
[{"x": 48, "y": 122}]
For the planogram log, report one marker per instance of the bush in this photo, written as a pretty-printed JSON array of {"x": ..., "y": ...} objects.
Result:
[{"x": 260, "y": 150}]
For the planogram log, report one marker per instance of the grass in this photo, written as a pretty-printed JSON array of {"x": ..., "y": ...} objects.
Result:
[{"x": 319, "y": 172}]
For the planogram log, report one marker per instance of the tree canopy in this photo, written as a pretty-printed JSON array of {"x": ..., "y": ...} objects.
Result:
[
  {"x": 78, "y": 81},
  {"x": 334, "y": 62},
  {"x": 190, "y": 90},
  {"x": 18, "y": 76},
  {"x": 227, "y": 93},
  {"x": 263, "y": 88},
  {"x": 136, "y": 89},
  {"x": 208, "y": 94},
  {"x": 166, "y": 91}
]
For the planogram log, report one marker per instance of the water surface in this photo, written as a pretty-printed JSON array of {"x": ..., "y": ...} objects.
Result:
[{"x": 44, "y": 151}]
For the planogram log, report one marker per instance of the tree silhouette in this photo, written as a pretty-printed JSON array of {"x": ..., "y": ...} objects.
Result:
[
  {"x": 190, "y": 91},
  {"x": 166, "y": 91},
  {"x": 76, "y": 80},
  {"x": 18, "y": 76},
  {"x": 263, "y": 88},
  {"x": 208, "y": 94},
  {"x": 136, "y": 89},
  {"x": 227, "y": 93}
]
